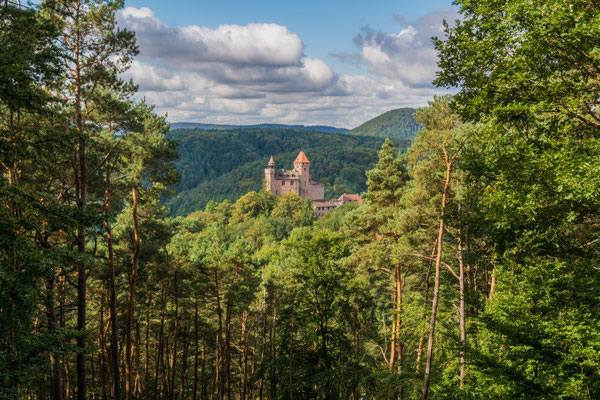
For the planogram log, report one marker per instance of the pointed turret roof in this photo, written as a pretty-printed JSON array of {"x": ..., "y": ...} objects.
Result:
[
  {"x": 301, "y": 158},
  {"x": 271, "y": 161}
]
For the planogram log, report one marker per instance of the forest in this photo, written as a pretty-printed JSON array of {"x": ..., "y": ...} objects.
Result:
[
  {"x": 394, "y": 124},
  {"x": 226, "y": 164},
  {"x": 470, "y": 271}
]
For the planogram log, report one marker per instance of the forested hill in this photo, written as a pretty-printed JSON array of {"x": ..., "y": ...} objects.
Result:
[
  {"x": 227, "y": 163},
  {"x": 316, "y": 128},
  {"x": 394, "y": 124}
]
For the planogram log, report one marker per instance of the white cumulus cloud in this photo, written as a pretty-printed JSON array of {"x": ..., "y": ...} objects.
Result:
[
  {"x": 253, "y": 44},
  {"x": 259, "y": 73},
  {"x": 407, "y": 57}
]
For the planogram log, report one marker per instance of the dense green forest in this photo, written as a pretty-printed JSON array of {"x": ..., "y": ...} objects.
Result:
[
  {"x": 470, "y": 271},
  {"x": 225, "y": 164},
  {"x": 394, "y": 124}
]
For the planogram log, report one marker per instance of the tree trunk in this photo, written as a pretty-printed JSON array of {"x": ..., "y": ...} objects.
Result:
[
  {"x": 394, "y": 317},
  {"x": 227, "y": 374},
  {"x": 102, "y": 344},
  {"x": 399, "y": 343},
  {"x": 195, "y": 391},
  {"x": 291, "y": 367},
  {"x": 264, "y": 343},
  {"x": 175, "y": 340},
  {"x": 138, "y": 378},
  {"x": 244, "y": 393},
  {"x": 160, "y": 353},
  {"x": 114, "y": 331},
  {"x": 57, "y": 389},
  {"x": 131, "y": 295},
  {"x": 273, "y": 354},
  {"x": 183, "y": 364},
  {"x": 493, "y": 283},
  {"x": 436, "y": 286},
  {"x": 202, "y": 385},
  {"x": 427, "y": 278},
  {"x": 147, "y": 355},
  {"x": 219, "y": 352},
  {"x": 80, "y": 167},
  {"x": 461, "y": 310}
]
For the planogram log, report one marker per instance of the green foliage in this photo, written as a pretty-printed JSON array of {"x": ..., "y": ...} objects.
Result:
[
  {"x": 525, "y": 71},
  {"x": 494, "y": 207},
  {"x": 225, "y": 164},
  {"x": 394, "y": 124}
]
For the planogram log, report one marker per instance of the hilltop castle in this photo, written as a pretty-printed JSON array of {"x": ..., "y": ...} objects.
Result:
[{"x": 299, "y": 181}]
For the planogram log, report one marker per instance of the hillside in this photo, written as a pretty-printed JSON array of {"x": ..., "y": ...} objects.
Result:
[
  {"x": 227, "y": 163},
  {"x": 394, "y": 124},
  {"x": 316, "y": 128}
]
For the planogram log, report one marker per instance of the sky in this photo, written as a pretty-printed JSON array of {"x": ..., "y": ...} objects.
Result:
[{"x": 327, "y": 62}]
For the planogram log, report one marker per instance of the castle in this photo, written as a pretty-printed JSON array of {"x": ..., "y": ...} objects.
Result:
[{"x": 299, "y": 181}]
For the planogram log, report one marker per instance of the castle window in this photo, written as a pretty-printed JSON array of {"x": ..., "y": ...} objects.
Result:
[{"x": 282, "y": 183}]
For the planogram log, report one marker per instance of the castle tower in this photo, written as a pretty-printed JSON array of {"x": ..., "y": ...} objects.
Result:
[
  {"x": 302, "y": 169},
  {"x": 270, "y": 175},
  {"x": 302, "y": 165}
]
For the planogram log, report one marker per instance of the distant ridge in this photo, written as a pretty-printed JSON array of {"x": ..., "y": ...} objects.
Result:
[
  {"x": 394, "y": 124},
  {"x": 315, "y": 128}
]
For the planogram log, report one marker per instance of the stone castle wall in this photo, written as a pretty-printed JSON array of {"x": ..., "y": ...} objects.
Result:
[{"x": 298, "y": 181}]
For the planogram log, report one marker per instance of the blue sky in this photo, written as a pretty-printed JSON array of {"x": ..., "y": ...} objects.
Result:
[{"x": 310, "y": 62}]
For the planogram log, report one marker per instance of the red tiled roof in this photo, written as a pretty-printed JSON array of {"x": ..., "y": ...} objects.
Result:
[
  {"x": 301, "y": 158},
  {"x": 345, "y": 198}
]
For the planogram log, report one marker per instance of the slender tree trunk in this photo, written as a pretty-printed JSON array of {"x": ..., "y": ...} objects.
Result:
[
  {"x": 114, "y": 329},
  {"x": 202, "y": 376},
  {"x": 81, "y": 195},
  {"x": 102, "y": 345},
  {"x": 175, "y": 341},
  {"x": 131, "y": 296},
  {"x": 220, "y": 382},
  {"x": 159, "y": 340},
  {"x": 493, "y": 283},
  {"x": 273, "y": 354},
  {"x": 160, "y": 353},
  {"x": 81, "y": 272},
  {"x": 61, "y": 320},
  {"x": 394, "y": 317},
  {"x": 195, "y": 391},
  {"x": 138, "y": 378},
  {"x": 92, "y": 375},
  {"x": 227, "y": 375},
  {"x": 427, "y": 285},
  {"x": 147, "y": 355},
  {"x": 399, "y": 343},
  {"x": 291, "y": 366},
  {"x": 461, "y": 310},
  {"x": 264, "y": 342},
  {"x": 166, "y": 375},
  {"x": 183, "y": 364},
  {"x": 57, "y": 389},
  {"x": 214, "y": 390},
  {"x": 436, "y": 287},
  {"x": 244, "y": 393}
]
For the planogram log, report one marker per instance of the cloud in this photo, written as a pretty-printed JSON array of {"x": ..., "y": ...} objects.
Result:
[
  {"x": 259, "y": 72},
  {"x": 407, "y": 57},
  {"x": 253, "y": 44},
  {"x": 150, "y": 78}
]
